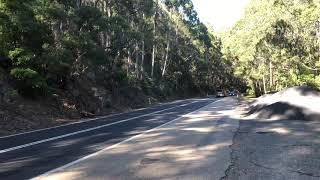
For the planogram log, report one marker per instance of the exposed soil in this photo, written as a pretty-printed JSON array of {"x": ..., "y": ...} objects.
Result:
[{"x": 83, "y": 98}]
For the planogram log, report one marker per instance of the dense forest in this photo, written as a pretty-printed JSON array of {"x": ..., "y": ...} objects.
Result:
[
  {"x": 276, "y": 44},
  {"x": 89, "y": 56},
  {"x": 80, "y": 58}
]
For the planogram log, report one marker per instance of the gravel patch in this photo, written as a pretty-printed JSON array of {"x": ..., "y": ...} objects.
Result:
[{"x": 297, "y": 103}]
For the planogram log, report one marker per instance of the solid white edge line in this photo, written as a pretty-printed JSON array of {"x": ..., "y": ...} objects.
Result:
[
  {"x": 115, "y": 145},
  {"x": 86, "y": 130},
  {"x": 96, "y": 118}
]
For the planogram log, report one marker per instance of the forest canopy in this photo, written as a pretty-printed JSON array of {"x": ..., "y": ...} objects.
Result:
[
  {"x": 160, "y": 45},
  {"x": 276, "y": 44}
]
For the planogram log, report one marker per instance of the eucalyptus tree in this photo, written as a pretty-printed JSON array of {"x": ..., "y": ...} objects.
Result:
[
  {"x": 278, "y": 39},
  {"x": 158, "y": 44}
]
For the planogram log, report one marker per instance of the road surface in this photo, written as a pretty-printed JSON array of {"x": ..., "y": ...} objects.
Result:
[
  {"x": 194, "y": 146},
  {"x": 28, "y": 155},
  {"x": 190, "y": 139}
]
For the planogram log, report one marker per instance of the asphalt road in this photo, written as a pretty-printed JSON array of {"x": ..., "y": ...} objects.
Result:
[
  {"x": 24, "y": 156},
  {"x": 190, "y": 139},
  {"x": 194, "y": 146}
]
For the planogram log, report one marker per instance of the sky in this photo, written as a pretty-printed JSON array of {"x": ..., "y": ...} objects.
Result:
[{"x": 221, "y": 14}]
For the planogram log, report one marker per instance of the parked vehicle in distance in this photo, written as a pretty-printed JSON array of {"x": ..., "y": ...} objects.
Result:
[
  {"x": 233, "y": 93},
  {"x": 220, "y": 94}
]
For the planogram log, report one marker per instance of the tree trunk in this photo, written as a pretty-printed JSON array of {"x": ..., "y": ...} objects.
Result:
[
  {"x": 264, "y": 85},
  {"x": 166, "y": 57},
  {"x": 154, "y": 38},
  {"x": 137, "y": 60},
  {"x": 271, "y": 75},
  {"x": 79, "y": 2},
  {"x": 142, "y": 52},
  {"x": 153, "y": 59},
  {"x": 109, "y": 8},
  {"x": 209, "y": 67},
  {"x": 108, "y": 11},
  {"x": 142, "y": 60},
  {"x": 256, "y": 88},
  {"x": 128, "y": 62},
  {"x": 168, "y": 47}
]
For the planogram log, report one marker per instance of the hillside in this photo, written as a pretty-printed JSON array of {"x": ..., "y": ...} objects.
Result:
[
  {"x": 73, "y": 59},
  {"x": 276, "y": 45}
]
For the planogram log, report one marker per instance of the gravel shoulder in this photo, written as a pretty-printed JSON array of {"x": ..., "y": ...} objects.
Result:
[
  {"x": 277, "y": 150},
  {"x": 279, "y": 147}
]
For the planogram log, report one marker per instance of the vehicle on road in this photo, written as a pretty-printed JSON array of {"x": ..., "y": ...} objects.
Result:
[
  {"x": 233, "y": 93},
  {"x": 220, "y": 94}
]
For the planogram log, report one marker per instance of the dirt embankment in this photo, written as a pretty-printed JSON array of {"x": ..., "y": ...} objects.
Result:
[{"x": 296, "y": 103}]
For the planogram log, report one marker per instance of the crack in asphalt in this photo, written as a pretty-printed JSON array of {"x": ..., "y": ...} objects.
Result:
[
  {"x": 232, "y": 155},
  {"x": 297, "y": 145},
  {"x": 262, "y": 166},
  {"x": 275, "y": 169},
  {"x": 305, "y": 174}
]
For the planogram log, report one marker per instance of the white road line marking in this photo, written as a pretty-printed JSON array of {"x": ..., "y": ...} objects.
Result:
[
  {"x": 115, "y": 145},
  {"x": 85, "y": 130}
]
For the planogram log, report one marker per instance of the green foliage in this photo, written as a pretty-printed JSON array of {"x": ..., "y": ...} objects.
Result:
[
  {"x": 20, "y": 57},
  {"x": 120, "y": 42},
  {"x": 29, "y": 82},
  {"x": 276, "y": 44},
  {"x": 12, "y": 94}
]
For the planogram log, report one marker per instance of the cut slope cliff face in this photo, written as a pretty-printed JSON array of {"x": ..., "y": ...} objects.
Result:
[{"x": 296, "y": 103}]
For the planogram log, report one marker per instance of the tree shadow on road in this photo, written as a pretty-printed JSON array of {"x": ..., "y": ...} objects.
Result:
[{"x": 189, "y": 148}]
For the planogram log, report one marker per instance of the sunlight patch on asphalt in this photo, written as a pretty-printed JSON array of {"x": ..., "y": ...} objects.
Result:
[
  {"x": 280, "y": 130},
  {"x": 202, "y": 130},
  {"x": 73, "y": 175},
  {"x": 193, "y": 143}
]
